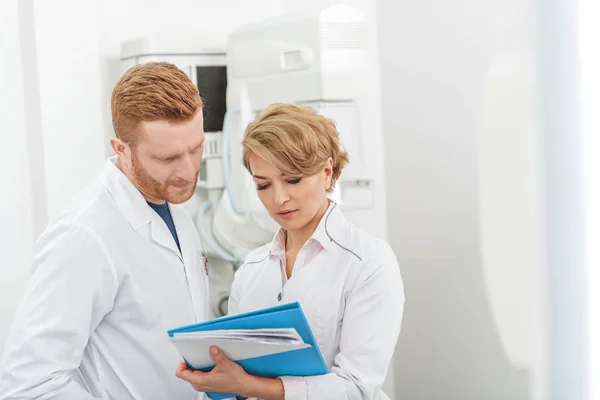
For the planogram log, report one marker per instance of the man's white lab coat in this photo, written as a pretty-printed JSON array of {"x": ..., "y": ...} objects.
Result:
[{"x": 108, "y": 281}]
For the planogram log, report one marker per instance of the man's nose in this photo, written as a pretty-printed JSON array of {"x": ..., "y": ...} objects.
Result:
[{"x": 188, "y": 169}]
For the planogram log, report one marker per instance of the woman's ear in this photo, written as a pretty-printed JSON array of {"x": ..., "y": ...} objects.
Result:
[{"x": 328, "y": 173}]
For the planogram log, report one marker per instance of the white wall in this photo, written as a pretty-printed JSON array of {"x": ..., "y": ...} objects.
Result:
[
  {"x": 461, "y": 154},
  {"x": 510, "y": 200},
  {"x": 16, "y": 220},
  {"x": 53, "y": 116},
  {"x": 69, "y": 87}
]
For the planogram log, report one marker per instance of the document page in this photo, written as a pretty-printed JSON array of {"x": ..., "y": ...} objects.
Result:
[{"x": 275, "y": 336}]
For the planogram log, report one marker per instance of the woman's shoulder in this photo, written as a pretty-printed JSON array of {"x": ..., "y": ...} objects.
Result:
[
  {"x": 253, "y": 260},
  {"x": 371, "y": 248},
  {"x": 257, "y": 255},
  {"x": 379, "y": 262}
]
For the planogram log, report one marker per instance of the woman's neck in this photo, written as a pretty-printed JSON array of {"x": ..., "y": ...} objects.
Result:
[{"x": 296, "y": 239}]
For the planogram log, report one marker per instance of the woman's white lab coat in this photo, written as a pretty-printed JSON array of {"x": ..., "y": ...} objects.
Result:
[
  {"x": 349, "y": 286},
  {"x": 108, "y": 281}
]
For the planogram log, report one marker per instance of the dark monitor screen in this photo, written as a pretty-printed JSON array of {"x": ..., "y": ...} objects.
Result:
[{"x": 212, "y": 84}]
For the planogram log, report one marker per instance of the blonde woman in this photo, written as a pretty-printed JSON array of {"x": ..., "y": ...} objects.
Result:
[{"x": 347, "y": 281}]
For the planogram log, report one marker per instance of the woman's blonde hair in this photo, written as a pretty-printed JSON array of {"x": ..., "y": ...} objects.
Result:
[{"x": 296, "y": 140}]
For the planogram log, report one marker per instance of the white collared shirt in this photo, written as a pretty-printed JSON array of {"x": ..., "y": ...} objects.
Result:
[
  {"x": 108, "y": 281},
  {"x": 349, "y": 286}
]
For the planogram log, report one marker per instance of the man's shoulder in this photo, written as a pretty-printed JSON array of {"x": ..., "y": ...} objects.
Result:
[{"x": 91, "y": 209}]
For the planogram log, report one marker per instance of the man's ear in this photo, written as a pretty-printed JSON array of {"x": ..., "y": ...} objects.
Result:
[{"x": 122, "y": 150}]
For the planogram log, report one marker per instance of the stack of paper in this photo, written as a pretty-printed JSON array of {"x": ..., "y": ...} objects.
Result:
[{"x": 237, "y": 344}]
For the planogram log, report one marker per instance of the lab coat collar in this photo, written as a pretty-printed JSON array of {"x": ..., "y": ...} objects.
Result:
[
  {"x": 128, "y": 198},
  {"x": 277, "y": 246},
  {"x": 136, "y": 210},
  {"x": 330, "y": 224}
]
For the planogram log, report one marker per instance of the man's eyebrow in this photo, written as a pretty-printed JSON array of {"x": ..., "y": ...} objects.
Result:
[
  {"x": 177, "y": 155},
  {"x": 165, "y": 156}
]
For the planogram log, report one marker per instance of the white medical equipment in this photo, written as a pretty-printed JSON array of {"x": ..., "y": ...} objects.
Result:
[{"x": 316, "y": 59}]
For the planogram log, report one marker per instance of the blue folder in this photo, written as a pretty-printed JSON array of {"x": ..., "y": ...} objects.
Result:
[{"x": 302, "y": 362}]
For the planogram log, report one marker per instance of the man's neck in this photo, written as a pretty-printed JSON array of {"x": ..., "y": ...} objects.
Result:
[{"x": 127, "y": 173}]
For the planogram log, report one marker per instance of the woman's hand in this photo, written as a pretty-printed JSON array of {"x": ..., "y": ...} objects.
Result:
[
  {"x": 226, "y": 377},
  {"x": 229, "y": 377}
]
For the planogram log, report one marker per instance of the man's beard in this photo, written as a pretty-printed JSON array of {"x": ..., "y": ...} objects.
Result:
[{"x": 152, "y": 188}]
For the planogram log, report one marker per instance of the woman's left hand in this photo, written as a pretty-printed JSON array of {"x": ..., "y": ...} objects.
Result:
[{"x": 226, "y": 377}]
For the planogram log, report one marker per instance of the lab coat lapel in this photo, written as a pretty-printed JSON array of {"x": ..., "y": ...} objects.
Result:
[
  {"x": 135, "y": 208},
  {"x": 161, "y": 234},
  {"x": 128, "y": 199},
  {"x": 186, "y": 240},
  {"x": 193, "y": 260}
]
